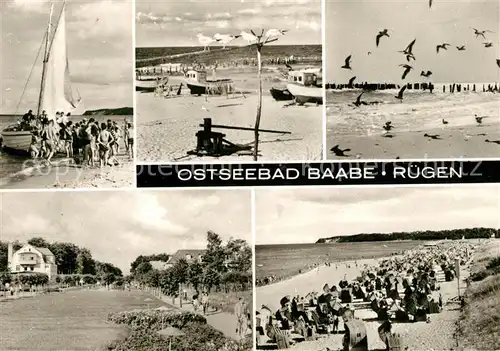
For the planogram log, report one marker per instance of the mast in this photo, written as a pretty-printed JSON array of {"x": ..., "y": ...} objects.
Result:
[{"x": 45, "y": 60}]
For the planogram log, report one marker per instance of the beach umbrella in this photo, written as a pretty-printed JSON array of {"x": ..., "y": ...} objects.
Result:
[{"x": 170, "y": 332}]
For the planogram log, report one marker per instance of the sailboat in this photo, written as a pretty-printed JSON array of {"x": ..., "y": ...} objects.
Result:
[{"x": 56, "y": 93}]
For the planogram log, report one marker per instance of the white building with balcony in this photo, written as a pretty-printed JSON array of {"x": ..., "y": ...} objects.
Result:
[{"x": 31, "y": 259}]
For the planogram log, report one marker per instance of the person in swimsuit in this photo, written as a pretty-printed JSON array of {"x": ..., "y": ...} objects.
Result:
[
  {"x": 104, "y": 141},
  {"x": 129, "y": 139},
  {"x": 34, "y": 150},
  {"x": 51, "y": 139}
]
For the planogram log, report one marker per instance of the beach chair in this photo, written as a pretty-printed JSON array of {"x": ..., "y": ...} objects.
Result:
[
  {"x": 355, "y": 338},
  {"x": 321, "y": 326},
  {"x": 280, "y": 337},
  {"x": 394, "y": 342}
]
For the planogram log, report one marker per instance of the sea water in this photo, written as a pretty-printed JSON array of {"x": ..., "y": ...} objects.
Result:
[{"x": 12, "y": 164}]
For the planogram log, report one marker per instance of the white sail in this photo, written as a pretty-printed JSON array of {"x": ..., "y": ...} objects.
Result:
[{"x": 57, "y": 91}]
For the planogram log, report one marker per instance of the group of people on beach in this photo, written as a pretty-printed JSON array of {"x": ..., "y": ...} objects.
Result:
[
  {"x": 403, "y": 288},
  {"x": 87, "y": 141}
]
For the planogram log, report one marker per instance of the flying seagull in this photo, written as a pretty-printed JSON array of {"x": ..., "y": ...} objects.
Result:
[
  {"x": 442, "y": 46},
  {"x": 426, "y": 74},
  {"x": 480, "y": 33},
  {"x": 461, "y": 48},
  {"x": 432, "y": 136},
  {"x": 409, "y": 48},
  {"x": 275, "y": 32},
  {"x": 205, "y": 41},
  {"x": 225, "y": 39},
  {"x": 339, "y": 152},
  {"x": 381, "y": 34},
  {"x": 250, "y": 38},
  {"x": 347, "y": 64},
  {"x": 408, "y": 68},
  {"x": 408, "y": 51},
  {"x": 351, "y": 81},
  {"x": 358, "y": 101},
  {"x": 488, "y": 45},
  {"x": 400, "y": 94}
]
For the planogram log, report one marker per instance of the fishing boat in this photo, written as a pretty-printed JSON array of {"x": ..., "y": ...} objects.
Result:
[
  {"x": 148, "y": 83},
  {"x": 281, "y": 94},
  {"x": 306, "y": 85},
  {"x": 56, "y": 93},
  {"x": 198, "y": 84}
]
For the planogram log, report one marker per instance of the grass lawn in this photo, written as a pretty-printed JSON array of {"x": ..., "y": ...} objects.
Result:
[{"x": 74, "y": 320}]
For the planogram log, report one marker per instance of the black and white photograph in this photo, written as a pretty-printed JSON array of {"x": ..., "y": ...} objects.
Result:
[
  {"x": 66, "y": 98},
  {"x": 164, "y": 270},
  {"x": 229, "y": 81},
  {"x": 412, "y": 79},
  {"x": 413, "y": 268}
]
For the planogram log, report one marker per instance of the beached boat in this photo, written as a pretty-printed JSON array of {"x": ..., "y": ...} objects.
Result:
[
  {"x": 55, "y": 92},
  {"x": 281, "y": 94},
  {"x": 306, "y": 85},
  {"x": 148, "y": 84},
  {"x": 198, "y": 83}
]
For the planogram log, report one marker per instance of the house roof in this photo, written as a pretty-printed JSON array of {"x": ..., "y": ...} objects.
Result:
[
  {"x": 182, "y": 254},
  {"x": 44, "y": 251}
]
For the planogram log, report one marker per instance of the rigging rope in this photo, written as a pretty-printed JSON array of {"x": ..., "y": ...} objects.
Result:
[{"x": 31, "y": 72}]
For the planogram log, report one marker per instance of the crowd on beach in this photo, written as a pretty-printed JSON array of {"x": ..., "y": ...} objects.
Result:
[
  {"x": 88, "y": 142},
  {"x": 402, "y": 288}
]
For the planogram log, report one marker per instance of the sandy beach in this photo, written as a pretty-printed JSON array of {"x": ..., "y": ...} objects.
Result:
[
  {"x": 167, "y": 126},
  {"x": 437, "y": 335},
  {"x": 360, "y": 129},
  {"x": 65, "y": 174}
]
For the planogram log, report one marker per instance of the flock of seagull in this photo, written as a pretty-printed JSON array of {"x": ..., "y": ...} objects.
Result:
[
  {"x": 408, "y": 54},
  {"x": 250, "y": 38}
]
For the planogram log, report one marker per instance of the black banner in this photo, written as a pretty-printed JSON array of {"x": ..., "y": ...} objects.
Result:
[{"x": 318, "y": 173}]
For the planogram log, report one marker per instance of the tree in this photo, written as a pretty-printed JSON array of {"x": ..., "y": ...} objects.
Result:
[
  {"x": 180, "y": 271},
  {"x": 195, "y": 273},
  {"x": 239, "y": 255},
  {"x": 38, "y": 242},
  {"x": 84, "y": 262},
  {"x": 109, "y": 278},
  {"x": 143, "y": 268}
]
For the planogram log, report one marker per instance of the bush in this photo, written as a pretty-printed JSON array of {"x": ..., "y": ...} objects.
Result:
[
  {"x": 156, "y": 319},
  {"x": 145, "y": 324}
]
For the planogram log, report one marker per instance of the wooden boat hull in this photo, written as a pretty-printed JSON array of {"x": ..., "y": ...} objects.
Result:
[
  {"x": 281, "y": 94},
  {"x": 146, "y": 85},
  {"x": 197, "y": 88},
  {"x": 16, "y": 141},
  {"x": 304, "y": 94}
]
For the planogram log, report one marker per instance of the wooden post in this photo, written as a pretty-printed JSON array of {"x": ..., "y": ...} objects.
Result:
[
  {"x": 457, "y": 268},
  {"x": 259, "y": 104}
]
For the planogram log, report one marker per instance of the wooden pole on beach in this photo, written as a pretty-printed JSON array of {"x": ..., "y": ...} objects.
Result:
[{"x": 261, "y": 41}]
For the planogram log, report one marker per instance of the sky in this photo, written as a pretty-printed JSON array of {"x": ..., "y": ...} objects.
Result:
[
  {"x": 352, "y": 26},
  {"x": 289, "y": 216},
  {"x": 118, "y": 226},
  {"x": 176, "y": 23},
  {"x": 99, "y": 44}
]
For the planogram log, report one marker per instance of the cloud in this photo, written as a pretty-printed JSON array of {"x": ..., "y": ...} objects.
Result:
[
  {"x": 104, "y": 19},
  {"x": 118, "y": 226},
  {"x": 156, "y": 25},
  {"x": 304, "y": 215}
]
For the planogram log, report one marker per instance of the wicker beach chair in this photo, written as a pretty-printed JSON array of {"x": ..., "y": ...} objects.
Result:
[
  {"x": 394, "y": 342},
  {"x": 280, "y": 337}
]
